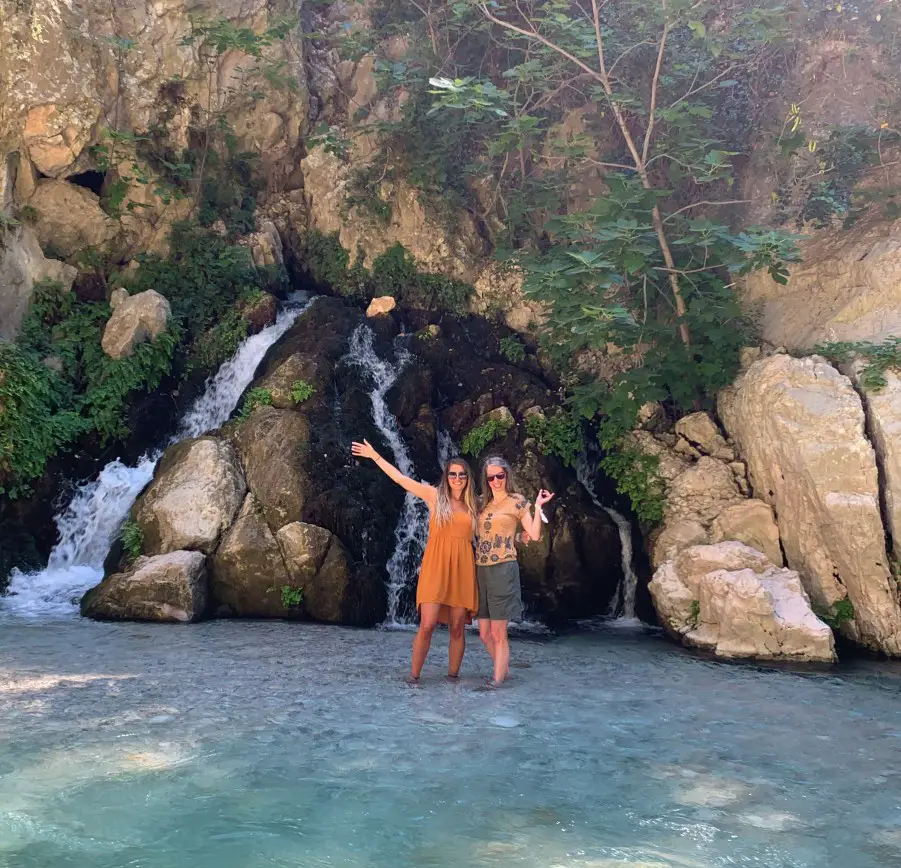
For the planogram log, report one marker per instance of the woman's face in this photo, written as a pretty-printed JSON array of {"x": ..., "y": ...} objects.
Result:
[
  {"x": 457, "y": 478},
  {"x": 497, "y": 479}
]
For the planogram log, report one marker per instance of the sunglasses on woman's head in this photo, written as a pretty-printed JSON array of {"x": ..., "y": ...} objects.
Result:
[
  {"x": 499, "y": 476},
  {"x": 455, "y": 474}
]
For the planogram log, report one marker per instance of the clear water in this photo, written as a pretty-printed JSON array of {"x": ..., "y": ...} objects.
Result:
[
  {"x": 248, "y": 745},
  {"x": 90, "y": 522},
  {"x": 412, "y": 530}
]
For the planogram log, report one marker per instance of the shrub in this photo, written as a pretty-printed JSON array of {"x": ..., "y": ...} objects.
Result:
[
  {"x": 301, "y": 391},
  {"x": 132, "y": 540},
  {"x": 559, "y": 434},
  {"x": 479, "y": 437},
  {"x": 254, "y": 398}
]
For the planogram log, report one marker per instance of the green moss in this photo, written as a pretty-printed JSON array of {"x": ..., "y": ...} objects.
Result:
[{"x": 559, "y": 434}]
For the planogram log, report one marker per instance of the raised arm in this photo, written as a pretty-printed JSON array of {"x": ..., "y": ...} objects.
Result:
[
  {"x": 531, "y": 521},
  {"x": 417, "y": 489}
]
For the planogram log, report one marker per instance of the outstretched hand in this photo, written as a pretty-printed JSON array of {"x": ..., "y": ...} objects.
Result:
[
  {"x": 364, "y": 450},
  {"x": 544, "y": 496}
]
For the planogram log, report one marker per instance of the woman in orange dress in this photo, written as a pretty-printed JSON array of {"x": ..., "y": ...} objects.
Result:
[{"x": 446, "y": 591}]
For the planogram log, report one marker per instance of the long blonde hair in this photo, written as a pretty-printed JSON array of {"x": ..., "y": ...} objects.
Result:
[{"x": 444, "y": 511}]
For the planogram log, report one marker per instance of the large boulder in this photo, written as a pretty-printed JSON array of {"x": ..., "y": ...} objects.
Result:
[
  {"x": 135, "y": 319},
  {"x": 883, "y": 411},
  {"x": 730, "y": 599},
  {"x": 274, "y": 444},
  {"x": 333, "y": 590},
  {"x": 22, "y": 264},
  {"x": 701, "y": 492},
  {"x": 196, "y": 491},
  {"x": 750, "y": 522},
  {"x": 799, "y": 425},
  {"x": 169, "y": 587},
  {"x": 70, "y": 219},
  {"x": 247, "y": 573}
]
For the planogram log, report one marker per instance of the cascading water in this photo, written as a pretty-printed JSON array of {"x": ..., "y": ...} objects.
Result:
[
  {"x": 623, "y": 602},
  {"x": 412, "y": 528},
  {"x": 91, "y": 521}
]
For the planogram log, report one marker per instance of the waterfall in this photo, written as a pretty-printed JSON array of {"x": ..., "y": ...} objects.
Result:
[
  {"x": 92, "y": 519},
  {"x": 623, "y": 601},
  {"x": 412, "y": 528}
]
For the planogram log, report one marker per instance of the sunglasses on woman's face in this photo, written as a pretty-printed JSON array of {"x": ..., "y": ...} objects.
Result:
[
  {"x": 454, "y": 474},
  {"x": 500, "y": 477}
]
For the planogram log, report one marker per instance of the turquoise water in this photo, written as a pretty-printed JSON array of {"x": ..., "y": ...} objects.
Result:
[{"x": 243, "y": 745}]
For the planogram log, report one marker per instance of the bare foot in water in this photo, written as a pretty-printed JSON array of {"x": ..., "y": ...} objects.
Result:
[{"x": 412, "y": 681}]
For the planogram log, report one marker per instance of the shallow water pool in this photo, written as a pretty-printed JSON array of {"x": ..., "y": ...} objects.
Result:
[{"x": 243, "y": 745}]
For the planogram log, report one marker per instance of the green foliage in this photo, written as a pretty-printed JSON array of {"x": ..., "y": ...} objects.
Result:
[
  {"x": 475, "y": 442},
  {"x": 837, "y": 614},
  {"x": 218, "y": 344},
  {"x": 291, "y": 597},
  {"x": 29, "y": 214},
  {"x": 132, "y": 540},
  {"x": 395, "y": 273},
  {"x": 559, "y": 434},
  {"x": 254, "y": 398},
  {"x": 95, "y": 386},
  {"x": 301, "y": 391},
  {"x": 35, "y": 419},
  {"x": 879, "y": 359},
  {"x": 512, "y": 349},
  {"x": 203, "y": 277},
  {"x": 694, "y": 615},
  {"x": 637, "y": 476}
]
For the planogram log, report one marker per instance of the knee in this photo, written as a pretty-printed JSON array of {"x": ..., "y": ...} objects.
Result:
[
  {"x": 457, "y": 631},
  {"x": 499, "y": 634},
  {"x": 426, "y": 629}
]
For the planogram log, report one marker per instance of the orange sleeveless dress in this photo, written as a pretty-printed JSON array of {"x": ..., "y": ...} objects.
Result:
[{"x": 448, "y": 572}]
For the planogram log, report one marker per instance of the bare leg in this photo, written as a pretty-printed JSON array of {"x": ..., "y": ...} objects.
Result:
[
  {"x": 428, "y": 620},
  {"x": 485, "y": 636},
  {"x": 457, "y": 646},
  {"x": 501, "y": 650}
]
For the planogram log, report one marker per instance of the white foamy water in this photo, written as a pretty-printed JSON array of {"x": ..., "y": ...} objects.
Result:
[
  {"x": 412, "y": 528},
  {"x": 623, "y": 602},
  {"x": 94, "y": 516}
]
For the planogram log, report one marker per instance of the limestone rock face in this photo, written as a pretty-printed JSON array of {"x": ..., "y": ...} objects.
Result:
[
  {"x": 136, "y": 319},
  {"x": 883, "y": 411},
  {"x": 247, "y": 572},
  {"x": 168, "y": 587},
  {"x": 799, "y": 425},
  {"x": 750, "y": 522},
  {"x": 381, "y": 306},
  {"x": 70, "y": 218},
  {"x": 196, "y": 491},
  {"x": 730, "y": 599},
  {"x": 675, "y": 537},
  {"x": 847, "y": 288},
  {"x": 273, "y": 444},
  {"x": 22, "y": 264},
  {"x": 699, "y": 430},
  {"x": 701, "y": 492}
]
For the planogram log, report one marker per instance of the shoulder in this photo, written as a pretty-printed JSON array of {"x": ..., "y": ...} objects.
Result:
[{"x": 520, "y": 504}]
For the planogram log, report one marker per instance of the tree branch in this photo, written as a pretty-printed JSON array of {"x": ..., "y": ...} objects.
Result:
[{"x": 706, "y": 202}]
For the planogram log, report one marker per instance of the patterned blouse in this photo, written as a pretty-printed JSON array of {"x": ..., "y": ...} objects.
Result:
[{"x": 497, "y": 530}]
